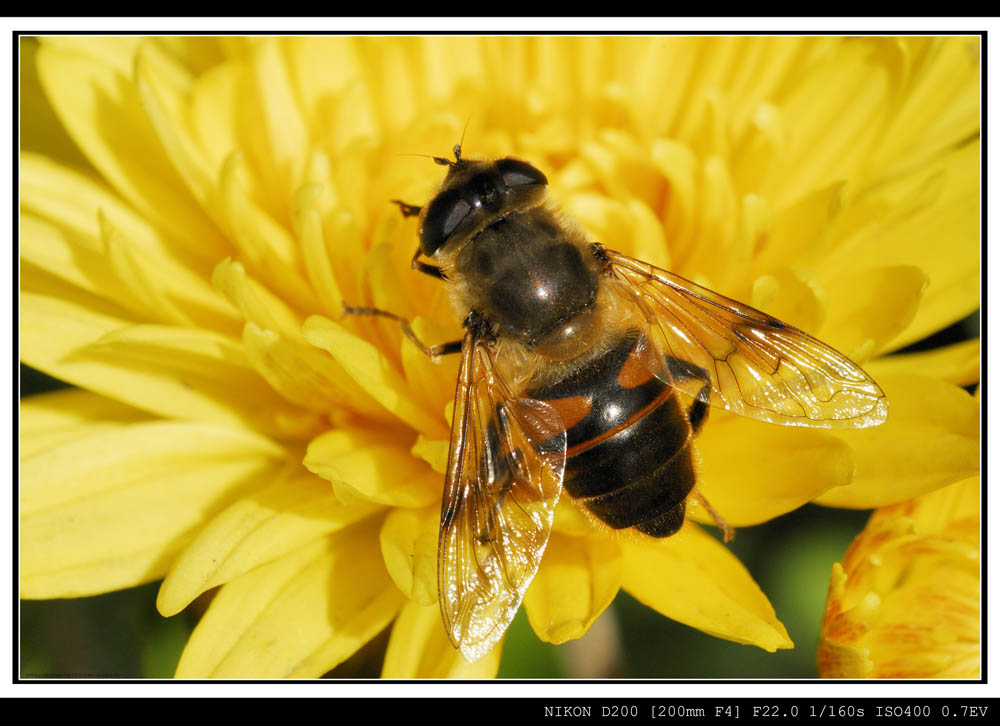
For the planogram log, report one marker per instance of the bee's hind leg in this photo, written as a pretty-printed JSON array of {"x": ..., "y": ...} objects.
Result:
[
  {"x": 681, "y": 370},
  {"x": 454, "y": 346},
  {"x": 727, "y": 531}
]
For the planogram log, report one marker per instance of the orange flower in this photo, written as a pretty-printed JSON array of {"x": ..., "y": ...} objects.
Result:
[{"x": 905, "y": 601}]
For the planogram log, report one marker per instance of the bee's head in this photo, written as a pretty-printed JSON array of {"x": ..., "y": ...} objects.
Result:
[{"x": 474, "y": 194}]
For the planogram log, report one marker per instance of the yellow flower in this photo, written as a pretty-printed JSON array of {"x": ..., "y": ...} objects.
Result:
[
  {"x": 905, "y": 601},
  {"x": 186, "y": 271}
]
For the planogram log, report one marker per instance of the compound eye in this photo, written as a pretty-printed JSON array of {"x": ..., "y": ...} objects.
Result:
[
  {"x": 485, "y": 193},
  {"x": 443, "y": 216},
  {"x": 516, "y": 173}
]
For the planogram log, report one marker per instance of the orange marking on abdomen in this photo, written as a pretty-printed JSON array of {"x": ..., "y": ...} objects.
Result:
[
  {"x": 635, "y": 371},
  {"x": 572, "y": 410}
]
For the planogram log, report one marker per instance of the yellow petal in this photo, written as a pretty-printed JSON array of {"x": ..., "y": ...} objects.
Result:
[
  {"x": 451, "y": 63},
  {"x": 112, "y": 510},
  {"x": 619, "y": 161},
  {"x": 941, "y": 105},
  {"x": 905, "y": 603},
  {"x": 352, "y": 198},
  {"x": 257, "y": 304},
  {"x": 50, "y": 419},
  {"x": 290, "y": 513},
  {"x": 573, "y": 519},
  {"x": 308, "y": 220},
  {"x": 368, "y": 367},
  {"x": 110, "y": 267},
  {"x": 648, "y": 238},
  {"x": 577, "y": 580},
  {"x": 661, "y": 63},
  {"x": 40, "y": 129},
  {"x": 264, "y": 243},
  {"x": 116, "y": 52},
  {"x": 630, "y": 226},
  {"x": 214, "y": 111},
  {"x": 874, "y": 305},
  {"x": 958, "y": 363},
  {"x": 409, "y": 540},
  {"x": 432, "y": 380},
  {"x": 396, "y": 92},
  {"x": 792, "y": 296},
  {"x": 716, "y": 216},
  {"x": 382, "y": 269},
  {"x": 752, "y": 472},
  {"x": 928, "y": 218},
  {"x": 101, "y": 110},
  {"x": 834, "y": 130},
  {"x": 678, "y": 165},
  {"x": 700, "y": 583},
  {"x": 343, "y": 239},
  {"x": 144, "y": 293},
  {"x": 756, "y": 160},
  {"x": 834, "y": 657},
  {"x": 801, "y": 230},
  {"x": 373, "y": 465},
  {"x": 434, "y": 453},
  {"x": 600, "y": 216},
  {"x": 941, "y": 510},
  {"x": 754, "y": 225},
  {"x": 197, "y": 53},
  {"x": 930, "y": 439},
  {"x": 308, "y": 377},
  {"x": 182, "y": 373},
  {"x": 203, "y": 361},
  {"x": 555, "y": 66},
  {"x": 419, "y": 648},
  {"x": 321, "y": 69},
  {"x": 336, "y": 593},
  {"x": 168, "y": 109},
  {"x": 279, "y": 138},
  {"x": 85, "y": 215}
]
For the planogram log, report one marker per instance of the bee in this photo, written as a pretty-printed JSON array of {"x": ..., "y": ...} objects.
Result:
[{"x": 586, "y": 371}]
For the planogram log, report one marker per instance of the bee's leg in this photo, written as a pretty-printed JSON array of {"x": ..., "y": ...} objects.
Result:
[
  {"x": 425, "y": 268},
  {"x": 727, "y": 531},
  {"x": 500, "y": 470},
  {"x": 454, "y": 346},
  {"x": 681, "y": 370},
  {"x": 408, "y": 210},
  {"x": 412, "y": 210},
  {"x": 698, "y": 413}
]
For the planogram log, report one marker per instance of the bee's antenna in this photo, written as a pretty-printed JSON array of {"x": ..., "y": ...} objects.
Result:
[
  {"x": 464, "y": 129},
  {"x": 458, "y": 147},
  {"x": 425, "y": 156},
  {"x": 456, "y": 150},
  {"x": 440, "y": 159}
]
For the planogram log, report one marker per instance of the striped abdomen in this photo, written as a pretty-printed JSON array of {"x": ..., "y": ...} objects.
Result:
[{"x": 628, "y": 439}]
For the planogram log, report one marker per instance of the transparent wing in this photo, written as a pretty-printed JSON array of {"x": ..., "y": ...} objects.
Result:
[
  {"x": 505, "y": 471},
  {"x": 753, "y": 364}
]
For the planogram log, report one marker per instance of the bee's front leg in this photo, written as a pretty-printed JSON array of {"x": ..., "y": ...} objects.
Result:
[{"x": 408, "y": 210}]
